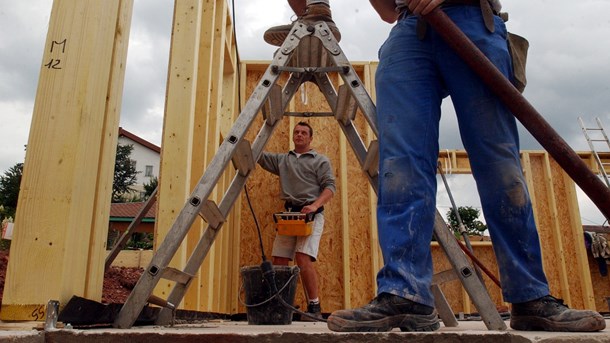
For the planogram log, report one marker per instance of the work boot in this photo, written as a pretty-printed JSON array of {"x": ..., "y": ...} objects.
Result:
[
  {"x": 550, "y": 314},
  {"x": 385, "y": 312},
  {"x": 315, "y": 13},
  {"x": 314, "y": 310}
]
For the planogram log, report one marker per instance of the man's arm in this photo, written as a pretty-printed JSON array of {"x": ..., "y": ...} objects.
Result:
[
  {"x": 324, "y": 197},
  {"x": 269, "y": 162},
  {"x": 385, "y": 9}
]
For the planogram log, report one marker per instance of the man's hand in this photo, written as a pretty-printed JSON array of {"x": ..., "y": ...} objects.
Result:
[
  {"x": 423, "y": 7},
  {"x": 309, "y": 208}
]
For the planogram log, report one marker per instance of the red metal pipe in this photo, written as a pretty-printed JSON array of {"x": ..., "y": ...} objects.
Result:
[{"x": 522, "y": 109}]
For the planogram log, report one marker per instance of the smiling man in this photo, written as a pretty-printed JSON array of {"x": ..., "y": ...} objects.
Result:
[{"x": 307, "y": 183}]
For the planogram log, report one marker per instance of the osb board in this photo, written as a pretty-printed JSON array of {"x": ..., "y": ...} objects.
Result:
[
  {"x": 601, "y": 284},
  {"x": 573, "y": 244},
  {"x": 544, "y": 219}
]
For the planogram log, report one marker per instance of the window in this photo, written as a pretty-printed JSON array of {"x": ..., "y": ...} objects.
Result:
[{"x": 149, "y": 171}]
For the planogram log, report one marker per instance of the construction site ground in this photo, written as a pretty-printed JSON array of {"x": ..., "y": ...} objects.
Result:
[{"x": 239, "y": 331}]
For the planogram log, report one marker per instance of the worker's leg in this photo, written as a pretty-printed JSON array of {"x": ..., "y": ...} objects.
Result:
[
  {"x": 309, "y": 275},
  {"x": 306, "y": 255},
  {"x": 310, "y": 11},
  {"x": 280, "y": 261},
  {"x": 489, "y": 133}
]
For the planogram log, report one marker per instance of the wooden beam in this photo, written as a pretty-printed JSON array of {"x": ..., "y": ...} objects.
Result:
[
  {"x": 64, "y": 202},
  {"x": 176, "y": 154}
]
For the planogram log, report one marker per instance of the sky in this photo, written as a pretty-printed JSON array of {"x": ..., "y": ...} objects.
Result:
[{"x": 568, "y": 67}]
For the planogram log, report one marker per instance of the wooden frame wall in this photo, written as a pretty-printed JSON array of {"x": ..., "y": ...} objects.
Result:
[{"x": 201, "y": 105}]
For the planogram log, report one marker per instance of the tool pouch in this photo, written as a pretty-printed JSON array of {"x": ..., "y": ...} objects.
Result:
[{"x": 518, "y": 46}]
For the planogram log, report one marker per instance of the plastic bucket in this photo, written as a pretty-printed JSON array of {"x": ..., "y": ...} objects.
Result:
[{"x": 259, "y": 309}]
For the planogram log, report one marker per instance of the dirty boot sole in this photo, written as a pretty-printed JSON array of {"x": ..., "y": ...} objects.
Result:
[
  {"x": 592, "y": 323},
  {"x": 277, "y": 34},
  {"x": 406, "y": 322}
]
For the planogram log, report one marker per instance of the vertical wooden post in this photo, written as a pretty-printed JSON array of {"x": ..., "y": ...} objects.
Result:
[
  {"x": 177, "y": 152},
  {"x": 61, "y": 223}
]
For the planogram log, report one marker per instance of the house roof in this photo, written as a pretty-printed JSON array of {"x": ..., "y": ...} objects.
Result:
[
  {"x": 129, "y": 210},
  {"x": 139, "y": 140}
]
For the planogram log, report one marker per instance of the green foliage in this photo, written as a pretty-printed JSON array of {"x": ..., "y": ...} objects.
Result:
[
  {"x": 140, "y": 240},
  {"x": 149, "y": 188},
  {"x": 5, "y": 244},
  {"x": 125, "y": 173},
  {"x": 9, "y": 190},
  {"x": 470, "y": 219}
]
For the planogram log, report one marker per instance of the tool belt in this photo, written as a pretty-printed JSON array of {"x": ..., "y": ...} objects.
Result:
[
  {"x": 297, "y": 208},
  {"x": 294, "y": 223}
]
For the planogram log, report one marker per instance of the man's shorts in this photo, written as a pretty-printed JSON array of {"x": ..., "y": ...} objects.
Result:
[{"x": 287, "y": 246}]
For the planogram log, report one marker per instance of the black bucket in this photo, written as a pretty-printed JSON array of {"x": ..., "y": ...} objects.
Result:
[{"x": 259, "y": 309}]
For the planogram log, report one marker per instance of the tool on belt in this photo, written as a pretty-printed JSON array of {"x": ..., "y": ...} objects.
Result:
[{"x": 294, "y": 223}]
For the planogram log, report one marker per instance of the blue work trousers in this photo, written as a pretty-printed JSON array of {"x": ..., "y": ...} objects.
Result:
[{"x": 412, "y": 79}]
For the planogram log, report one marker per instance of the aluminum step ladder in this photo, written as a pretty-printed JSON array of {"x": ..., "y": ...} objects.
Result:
[
  {"x": 309, "y": 53},
  {"x": 596, "y": 136}
]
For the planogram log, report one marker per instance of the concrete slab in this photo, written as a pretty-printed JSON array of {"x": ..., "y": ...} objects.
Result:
[{"x": 297, "y": 332}]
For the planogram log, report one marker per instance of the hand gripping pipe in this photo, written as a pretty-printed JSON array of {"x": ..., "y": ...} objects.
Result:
[{"x": 522, "y": 110}]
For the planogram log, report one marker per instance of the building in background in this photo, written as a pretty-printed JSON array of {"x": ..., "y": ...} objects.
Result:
[{"x": 147, "y": 157}]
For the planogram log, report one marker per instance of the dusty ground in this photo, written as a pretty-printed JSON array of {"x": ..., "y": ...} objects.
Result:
[{"x": 118, "y": 282}]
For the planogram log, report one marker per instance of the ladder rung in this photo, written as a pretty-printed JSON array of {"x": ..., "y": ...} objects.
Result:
[
  {"x": 272, "y": 110},
  {"x": 346, "y": 105},
  {"x": 212, "y": 215},
  {"x": 176, "y": 275},
  {"x": 243, "y": 159},
  {"x": 371, "y": 163}
]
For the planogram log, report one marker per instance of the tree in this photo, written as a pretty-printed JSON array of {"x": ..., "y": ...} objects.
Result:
[
  {"x": 9, "y": 190},
  {"x": 125, "y": 173},
  {"x": 470, "y": 219},
  {"x": 149, "y": 188}
]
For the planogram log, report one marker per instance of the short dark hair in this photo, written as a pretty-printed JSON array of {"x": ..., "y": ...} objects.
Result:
[{"x": 302, "y": 123}]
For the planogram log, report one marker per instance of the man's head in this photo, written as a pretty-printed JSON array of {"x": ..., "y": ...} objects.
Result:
[{"x": 302, "y": 135}]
